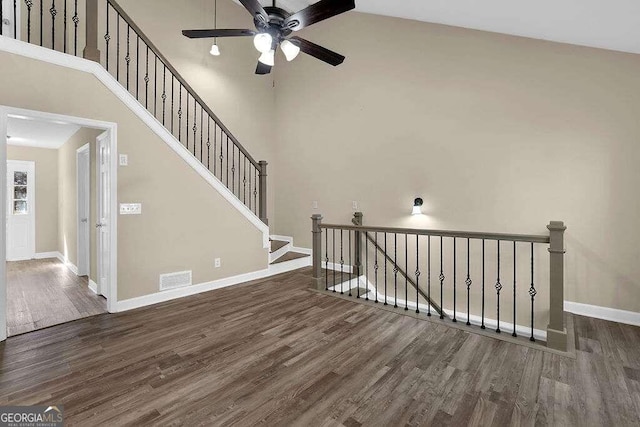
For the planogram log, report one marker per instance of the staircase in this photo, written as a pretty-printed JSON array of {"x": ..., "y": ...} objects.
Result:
[
  {"x": 282, "y": 254},
  {"x": 103, "y": 32}
]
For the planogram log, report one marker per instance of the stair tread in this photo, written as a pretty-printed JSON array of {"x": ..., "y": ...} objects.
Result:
[
  {"x": 277, "y": 244},
  {"x": 290, "y": 256}
]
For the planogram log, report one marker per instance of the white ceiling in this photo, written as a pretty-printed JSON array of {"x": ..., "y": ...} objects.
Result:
[
  {"x": 36, "y": 133},
  {"x": 608, "y": 24}
]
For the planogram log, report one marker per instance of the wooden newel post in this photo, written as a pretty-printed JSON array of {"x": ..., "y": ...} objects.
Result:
[
  {"x": 91, "y": 44},
  {"x": 357, "y": 220},
  {"x": 316, "y": 220},
  {"x": 262, "y": 205},
  {"x": 556, "y": 331}
]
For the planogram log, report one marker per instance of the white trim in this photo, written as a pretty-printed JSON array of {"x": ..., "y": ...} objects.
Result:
[
  {"x": 45, "y": 255},
  {"x": 605, "y": 313},
  {"x": 93, "y": 286},
  {"x": 171, "y": 294},
  {"x": 3, "y": 235},
  {"x": 85, "y": 148},
  {"x": 30, "y": 165},
  {"x": 71, "y": 266},
  {"x": 302, "y": 250},
  {"x": 29, "y": 50}
]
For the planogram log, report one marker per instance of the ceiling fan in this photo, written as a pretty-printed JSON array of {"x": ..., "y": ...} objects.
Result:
[{"x": 274, "y": 26}]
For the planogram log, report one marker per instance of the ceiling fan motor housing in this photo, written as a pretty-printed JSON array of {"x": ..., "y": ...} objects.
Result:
[{"x": 274, "y": 26}]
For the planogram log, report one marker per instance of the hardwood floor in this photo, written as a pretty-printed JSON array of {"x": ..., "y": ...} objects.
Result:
[
  {"x": 42, "y": 293},
  {"x": 275, "y": 352}
]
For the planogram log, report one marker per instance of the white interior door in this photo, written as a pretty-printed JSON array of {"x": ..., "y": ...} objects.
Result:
[
  {"x": 103, "y": 162},
  {"x": 21, "y": 215},
  {"x": 83, "y": 164},
  {"x": 10, "y": 15}
]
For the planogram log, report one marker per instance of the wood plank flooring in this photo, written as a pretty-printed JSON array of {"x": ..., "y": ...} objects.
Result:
[
  {"x": 276, "y": 353},
  {"x": 42, "y": 293}
]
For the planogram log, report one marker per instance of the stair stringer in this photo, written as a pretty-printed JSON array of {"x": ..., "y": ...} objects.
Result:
[{"x": 44, "y": 54}]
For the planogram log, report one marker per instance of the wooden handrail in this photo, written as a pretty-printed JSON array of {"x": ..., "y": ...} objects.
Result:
[
  {"x": 444, "y": 233},
  {"x": 180, "y": 79}
]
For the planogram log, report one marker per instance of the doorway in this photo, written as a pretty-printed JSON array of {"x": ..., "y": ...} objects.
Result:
[
  {"x": 20, "y": 210},
  {"x": 94, "y": 167}
]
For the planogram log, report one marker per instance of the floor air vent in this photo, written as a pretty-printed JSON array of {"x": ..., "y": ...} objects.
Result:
[{"x": 175, "y": 280}]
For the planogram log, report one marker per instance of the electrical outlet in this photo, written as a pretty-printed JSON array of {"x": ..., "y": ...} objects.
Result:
[
  {"x": 130, "y": 208},
  {"x": 355, "y": 205},
  {"x": 314, "y": 204},
  {"x": 217, "y": 263},
  {"x": 124, "y": 160}
]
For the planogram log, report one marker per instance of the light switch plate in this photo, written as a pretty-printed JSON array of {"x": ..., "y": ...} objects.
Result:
[
  {"x": 130, "y": 208},
  {"x": 124, "y": 160},
  {"x": 314, "y": 204}
]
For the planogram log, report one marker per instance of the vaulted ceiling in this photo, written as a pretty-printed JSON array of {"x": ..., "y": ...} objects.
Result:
[{"x": 608, "y": 24}]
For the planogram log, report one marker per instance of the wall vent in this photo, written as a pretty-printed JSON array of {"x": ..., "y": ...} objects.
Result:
[{"x": 175, "y": 280}]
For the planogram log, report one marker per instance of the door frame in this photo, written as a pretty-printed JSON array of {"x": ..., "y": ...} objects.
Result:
[
  {"x": 112, "y": 130},
  {"x": 83, "y": 270},
  {"x": 101, "y": 290},
  {"x": 17, "y": 21},
  {"x": 31, "y": 194}
]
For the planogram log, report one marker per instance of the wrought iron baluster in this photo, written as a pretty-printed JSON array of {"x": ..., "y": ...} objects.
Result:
[
  {"x": 146, "y": 81},
  {"x": 41, "y": 21},
  {"x": 227, "y": 160},
  {"x": 244, "y": 180},
  {"x": 187, "y": 127},
  {"x": 127, "y": 58},
  {"x": 366, "y": 265},
  {"x": 532, "y": 294},
  {"x": 164, "y": 92},
  {"x": 180, "y": 113},
  {"x": 221, "y": 155},
  {"x": 137, "y": 65},
  {"x": 514, "y": 334},
  {"x": 233, "y": 168},
  {"x": 1, "y": 16},
  {"x": 155, "y": 85},
  {"x": 107, "y": 36},
  {"x": 454, "y": 281},
  {"x": 209, "y": 143},
  {"x": 64, "y": 21},
  {"x": 429, "y": 276},
  {"x": 375, "y": 268},
  {"x": 29, "y": 4},
  {"x": 76, "y": 21},
  {"x": 53, "y": 13},
  {"x": 117, "y": 47},
  {"x": 498, "y": 289},
  {"x": 441, "y": 280},
  {"x": 417, "y": 273},
  {"x": 395, "y": 270},
  {"x": 201, "y": 132},
  {"x": 215, "y": 145},
  {"x": 333, "y": 241},
  {"x": 195, "y": 127},
  {"x": 255, "y": 190},
  {"x": 350, "y": 263},
  {"x": 326, "y": 260},
  {"x": 15, "y": 22},
  {"x": 468, "y": 282},
  {"x": 385, "y": 269},
  {"x": 482, "y": 326},
  {"x": 341, "y": 266},
  {"x": 406, "y": 272}
]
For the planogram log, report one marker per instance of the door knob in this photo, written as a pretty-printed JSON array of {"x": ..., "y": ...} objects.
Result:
[
  {"x": 83, "y": 220},
  {"x": 6, "y": 21},
  {"x": 99, "y": 225}
]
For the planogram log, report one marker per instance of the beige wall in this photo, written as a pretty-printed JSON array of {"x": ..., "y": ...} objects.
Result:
[
  {"x": 243, "y": 101},
  {"x": 185, "y": 224},
  {"x": 46, "y": 187},
  {"x": 495, "y": 133},
  {"x": 68, "y": 197}
]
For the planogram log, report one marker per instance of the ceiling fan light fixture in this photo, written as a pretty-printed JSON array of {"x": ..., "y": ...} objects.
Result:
[
  {"x": 215, "y": 50},
  {"x": 268, "y": 58},
  {"x": 290, "y": 50},
  {"x": 262, "y": 42}
]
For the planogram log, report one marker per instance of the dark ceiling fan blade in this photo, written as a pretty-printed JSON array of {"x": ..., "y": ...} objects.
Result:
[
  {"x": 203, "y": 34},
  {"x": 256, "y": 10},
  {"x": 317, "y": 12},
  {"x": 263, "y": 68},
  {"x": 317, "y": 51}
]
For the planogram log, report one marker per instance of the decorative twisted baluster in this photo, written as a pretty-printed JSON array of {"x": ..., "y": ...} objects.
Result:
[
  {"x": 498, "y": 289},
  {"x": 468, "y": 282},
  {"x": 532, "y": 294}
]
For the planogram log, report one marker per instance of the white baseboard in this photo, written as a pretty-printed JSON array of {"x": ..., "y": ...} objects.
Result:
[
  {"x": 605, "y": 313},
  {"x": 93, "y": 286},
  {"x": 158, "y": 297},
  {"x": 302, "y": 250},
  {"x": 71, "y": 266},
  {"x": 45, "y": 255},
  {"x": 282, "y": 238}
]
